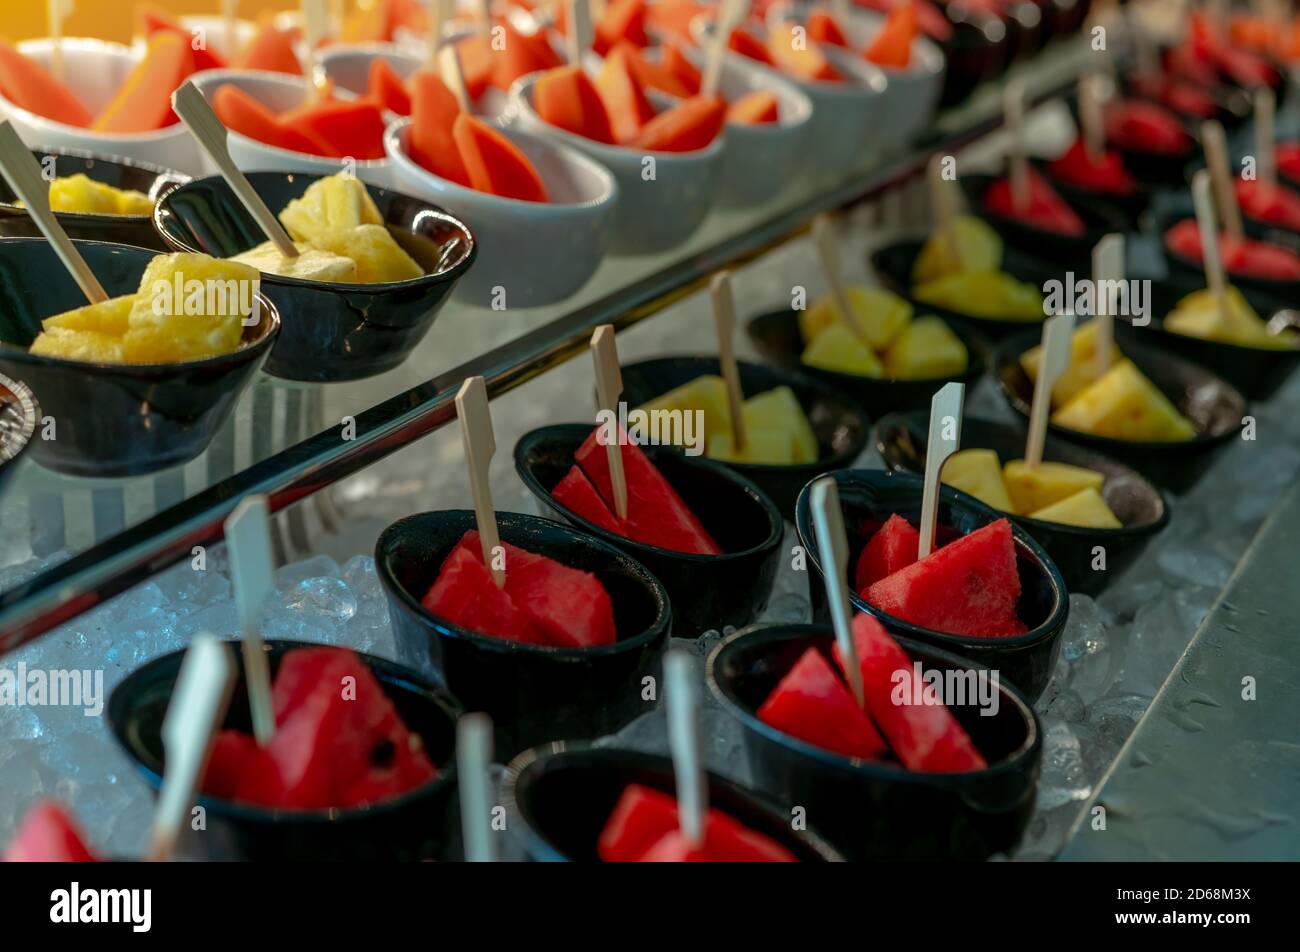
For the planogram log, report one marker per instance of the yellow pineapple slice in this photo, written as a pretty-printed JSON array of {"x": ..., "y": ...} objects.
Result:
[
  {"x": 881, "y": 315},
  {"x": 131, "y": 202},
  {"x": 330, "y": 206},
  {"x": 1034, "y": 487},
  {"x": 81, "y": 194},
  {"x": 190, "y": 306},
  {"x": 1199, "y": 315},
  {"x": 76, "y": 344},
  {"x": 990, "y": 294},
  {"x": 1085, "y": 508},
  {"x": 979, "y": 473},
  {"x": 978, "y": 245},
  {"x": 380, "y": 259},
  {"x": 778, "y": 410},
  {"x": 926, "y": 348},
  {"x": 708, "y": 393},
  {"x": 1082, "y": 370},
  {"x": 110, "y": 317},
  {"x": 837, "y": 348},
  {"x": 1123, "y": 404},
  {"x": 766, "y": 447},
  {"x": 312, "y": 264}
]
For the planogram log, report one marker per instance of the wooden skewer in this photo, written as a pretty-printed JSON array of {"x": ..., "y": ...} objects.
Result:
[
  {"x": 315, "y": 27},
  {"x": 1090, "y": 122},
  {"x": 1265, "y": 142},
  {"x": 578, "y": 41},
  {"x": 945, "y": 208},
  {"x": 1212, "y": 261},
  {"x": 23, "y": 173},
  {"x": 1107, "y": 266},
  {"x": 483, "y": 16},
  {"x": 944, "y": 406},
  {"x": 1216, "y": 157},
  {"x": 823, "y": 233},
  {"x": 609, "y": 387},
  {"x": 684, "y": 742},
  {"x": 449, "y": 67},
  {"x": 473, "y": 762},
  {"x": 729, "y": 14},
  {"x": 55, "y": 10},
  {"x": 1013, "y": 107},
  {"x": 833, "y": 550},
  {"x": 724, "y": 321},
  {"x": 252, "y": 568},
  {"x": 480, "y": 446},
  {"x": 188, "y": 103},
  {"x": 1058, "y": 334},
  {"x": 230, "y": 23},
  {"x": 433, "y": 39}
]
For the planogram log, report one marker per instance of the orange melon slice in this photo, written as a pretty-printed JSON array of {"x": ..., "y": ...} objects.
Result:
[
  {"x": 433, "y": 112},
  {"x": 754, "y": 108},
  {"x": 144, "y": 103},
  {"x": 494, "y": 163},
  {"x": 687, "y": 127},
  {"x": 29, "y": 85},
  {"x": 625, "y": 101},
  {"x": 566, "y": 98}
]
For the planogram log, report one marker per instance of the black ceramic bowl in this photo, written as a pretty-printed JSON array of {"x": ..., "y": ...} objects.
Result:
[
  {"x": 1112, "y": 206},
  {"x": 19, "y": 415},
  {"x": 421, "y": 824},
  {"x": 1182, "y": 269},
  {"x": 533, "y": 693},
  {"x": 839, "y": 424},
  {"x": 116, "y": 171},
  {"x": 869, "y": 497},
  {"x": 876, "y": 810},
  {"x": 114, "y": 419},
  {"x": 706, "y": 591},
  {"x": 1214, "y": 406},
  {"x": 1255, "y": 371},
  {"x": 1074, "y": 250},
  {"x": 901, "y": 439},
  {"x": 331, "y": 332},
  {"x": 978, "y": 50},
  {"x": 893, "y": 264},
  {"x": 562, "y": 795}
]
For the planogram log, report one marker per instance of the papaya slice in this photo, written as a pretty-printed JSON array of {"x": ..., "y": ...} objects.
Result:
[
  {"x": 682, "y": 69},
  {"x": 567, "y": 99},
  {"x": 476, "y": 59},
  {"x": 892, "y": 47},
  {"x": 623, "y": 22},
  {"x": 240, "y": 112},
  {"x": 625, "y": 100},
  {"x": 522, "y": 53},
  {"x": 434, "y": 110},
  {"x": 822, "y": 28},
  {"x": 387, "y": 88},
  {"x": 144, "y": 103},
  {"x": 747, "y": 44},
  {"x": 29, "y": 85},
  {"x": 799, "y": 57},
  {"x": 350, "y": 128},
  {"x": 494, "y": 163},
  {"x": 153, "y": 20},
  {"x": 655, "y": 75},
  {"x": 756, "y": 108},
  {"x": 687, "y": 127},
  {"x": 271, "y": 49}
]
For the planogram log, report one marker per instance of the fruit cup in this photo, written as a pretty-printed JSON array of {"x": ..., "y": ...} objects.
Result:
[
  {"x": 19, "y": 416},
  {"x": 332, "y": 331},
  {"x": 869, "y": 497},
  {"x": 1141, "y": 507},
  {"x": 420, "y": 824},
  {"x": 875, "y": 810},
  {"x": 138, "y": 230},
  {"x": 94, "y": 72},
  {"x": 348, "y": 65},
  {"x": 533, "y": 693},
  {"x": 115, "y": 420},
  {"x": 1214, "y": 407},
  {"x": 562, "y": 795},
  {"x": 839, "y": 424},
  {"x": 539, "y": 252},
  {"x": 706, "y": 591},
  {"x": 654, "y": 214}
]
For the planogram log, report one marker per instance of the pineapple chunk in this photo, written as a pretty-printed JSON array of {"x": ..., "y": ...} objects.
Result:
[
  {"x": 380, "y": 259},
  {"x": 978, "y": 472},
  {"x": 190, "y": 306},
  {"x": 926, "y": 348},
  {"x": 81, "y": 194},
  {"x": 112, "y": 317},
  {"x": 838, "y": 348},
  {"x": 311, "y": 264},
  {"x": 330, "y": 206},
  {"x": 765, "y": 447},
  {"x": 131, "y": 202},
  {"x": 779, "y": 411},
  {"x": 1036, "y": 487},
  {"x": 983, "y": 294},
  {"x": 1085, "y": 508},
  {"x": 1123, "y": 404},
  {"x": 1198, "y": 315},
  {"x": 72, "y": 344},
  {"x": 978, "y": 246},
  {"x": 880, "y": 316},
  {"x": 1082, "y": 370},
  {"x": 707, "y": 393}
]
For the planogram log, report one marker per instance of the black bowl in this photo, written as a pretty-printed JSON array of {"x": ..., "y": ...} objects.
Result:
[
  {"x": 901, "y": 439},
  {"x": 1214, "y": 406},
  {"x": 1113, "y": 207},
  {"x": 869, "y": 497},
  {"x": 839, "y": 424},
  {"x": 1182, "y": 269},
  {"x": 978, "y": 50},
  {"x": 19, "y": 415},
  {"x": 878, "y": 810},
  {"x": 115, "y": 419},
  {"x": 1255, "y": 371},
  {"x": 533, "y": 693},
  {"x": 893, "y": 265},
  {"x": 706, "y": 591},
  {"x": 776, "y": 336},
  {"x": 137, "y": 230},
  {"x": 421, "y": 824},
  {"x": 1074, "y": 250},
  {"x": 331, "y": 332},
  {"x": 561, "y": 797}
]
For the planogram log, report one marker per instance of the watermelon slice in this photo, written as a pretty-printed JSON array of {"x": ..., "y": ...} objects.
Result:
[
  {"x": 822, "y": 28},
  {"x": 892, "y": 47},
  {"x": 568, "y": 605},
  {"x": 271, "y": 49},
  {"x": 968, "y": 587},
  {"x": 1247, "y": 256},
  {"x": 29, "y": 85},
  {"x": 812, "y": 704},
  {"x": 1044, "y": 209},
  {"x": 387, "y": 88},
  {"x": 922, "y": 733},
  {"x": 233, "y": 753},
  {"x": 567, "y": 99},
  {"x": 687, "y": 127},
  {"x": 353, "y": 128},
  {"x": 893, "y": 547},
  {"x": 48, "y": 835},
  {"x": 144, "y": 103},
  {"x": 1145, "y": 127},
  {"x": 656, "y": 514},
  {"x": 240, "y": 112},
  {"x": 576, "y": 493},
  {"x": 753, "y": 109},
  {"x": 433, "y": 116},
  {"x": 466, "y": 595},
  {"x": 620, "y": 89},
  {"x": 495, "y": 164}
]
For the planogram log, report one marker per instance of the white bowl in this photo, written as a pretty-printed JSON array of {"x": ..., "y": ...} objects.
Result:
[
  {"x": 281, "y": 92},
  {"x": 349, "y": 65},
  {"x": 95, "y": 70},
  {"x": 538, "y": 252},
  {"x": 654, "y": 214},
  {"x": 214, "y": 28},
  {"x": 848, "y": 117}
]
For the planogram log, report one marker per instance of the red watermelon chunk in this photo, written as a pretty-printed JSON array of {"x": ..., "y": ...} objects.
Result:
[
  {"x": 968, "y": 587},
  {"x": 812, "y": 704},
  {"x": 48, "y": 835},
  {"x": 466, "y": 595},
  {"x": 1044, "y": 209},
  {"x": 569, "y": 606},
  {"x": 640, "y": 819},
  {"x": 923, "y": 734},
  {"x": 656, "y": 514},
  {"x": 893, "y": 547},
  {"x": 576, "y": 493}
]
